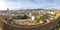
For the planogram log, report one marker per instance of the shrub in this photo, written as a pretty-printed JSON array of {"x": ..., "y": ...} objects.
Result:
[
  {"x": 25, "y": 17},
  {"x": 5, "y": 18},
  {"x": 43, "y": 18},
  {"x": 37, "y": 21}
]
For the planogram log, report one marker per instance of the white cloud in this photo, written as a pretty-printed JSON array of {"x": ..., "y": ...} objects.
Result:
[{"x": 24, "y": 4}]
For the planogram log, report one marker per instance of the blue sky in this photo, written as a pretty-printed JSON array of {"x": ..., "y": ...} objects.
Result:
[{"x": 30, "y": 4}]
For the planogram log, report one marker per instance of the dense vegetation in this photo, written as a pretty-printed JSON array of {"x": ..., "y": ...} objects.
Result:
[
  {"x": 40, "y": 18},
  {"x": 20, "y": 17},
  {"x": 44, "y": 18}
]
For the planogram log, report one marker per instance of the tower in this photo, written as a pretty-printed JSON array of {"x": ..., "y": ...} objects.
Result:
[{"x": 7, "y": 10}]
